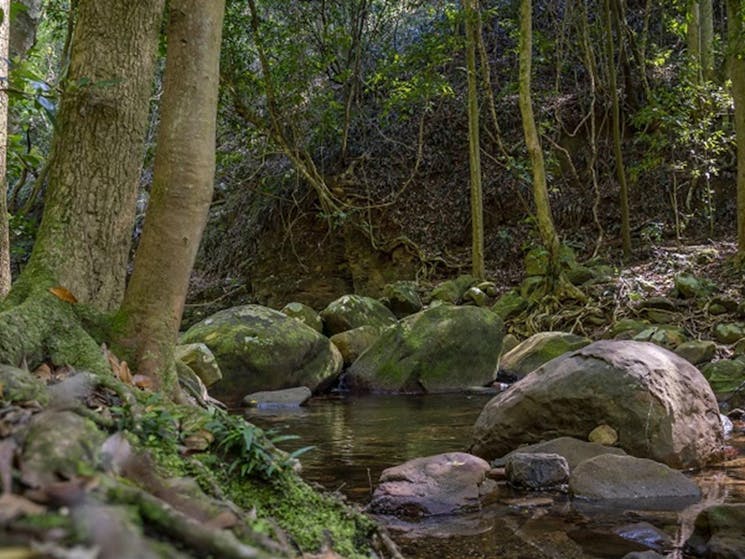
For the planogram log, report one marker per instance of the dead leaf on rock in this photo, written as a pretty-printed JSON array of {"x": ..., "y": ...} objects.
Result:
[
  {"x": 120, "y": 368},
  {"x": 63, "y": 293},
  {"x": 44, "y": 373},
  {"x": 15, "y": 506}
]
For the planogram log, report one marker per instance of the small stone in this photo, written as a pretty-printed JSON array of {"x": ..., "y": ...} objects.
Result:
[
  {"x": 715, "y": 309},
  {"x": 689, "y": 287},
  {"x": 476, "y": 296},
  {"x": 603, "y": 434},
  {"x": 662, "y": 303},
  {"x": 511, "y": 303},
  {"x": 452, "y": 291},
  {"x": 509, "y": 343},
  {"x": 403, "y": 298},
  {"x": 579, "y": 275},
  {"x": 537, "y": 470},
  {"x": 697, "y": 351},
  {"x": 489, "y": 287},
  {"x": 724, "y": 375},
  {"x": 729, "y": 333},
  {"x": 290, "y": 397},
  {"x": 200, "y": 359}
]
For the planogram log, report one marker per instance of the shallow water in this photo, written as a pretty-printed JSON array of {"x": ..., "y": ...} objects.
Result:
[{"x": 356, "y": 438}]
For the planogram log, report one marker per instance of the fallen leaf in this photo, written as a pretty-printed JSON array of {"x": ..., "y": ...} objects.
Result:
[
  {"x": 15, "y": 506},
  {"x": 44, "y": 373},
  {"x": 120, "y": 368},
  {"x": 63, "y": 293},
  {"x": 143, "y": 382}
]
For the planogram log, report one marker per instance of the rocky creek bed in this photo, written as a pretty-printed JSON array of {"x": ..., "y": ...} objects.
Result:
[{"x": 355, "y": 439}]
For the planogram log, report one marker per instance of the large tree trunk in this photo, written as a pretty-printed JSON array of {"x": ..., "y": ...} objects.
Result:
[
  {"x": 182, "y": 187},
  {"x": 474, "y": 155},
  {"x": 4, "y": 227},
  {"x": 85, "y": 234},
  {"x": 545, "y": 220},
  {"x": 736, "y": 48},
  {"x": 610, "y": 53}
]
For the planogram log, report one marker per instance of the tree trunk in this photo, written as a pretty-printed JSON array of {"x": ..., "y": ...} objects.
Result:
[
  {"x": 694, "y": 36},
  {"x": 545, "y": 220},
  {"x": 84, "y": 238},
  {"x": 4, "y": 226},
  {"x": 706, "y": 31},
  {"x": 736, "y": 48},
  {"x": 182, "y": 187},
  {"x": 616, "y": 124},
  {"x": 474, "y": 155}
]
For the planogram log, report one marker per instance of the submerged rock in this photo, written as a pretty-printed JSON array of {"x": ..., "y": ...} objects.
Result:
[
  {"x": 352, "y": 311},
  {"x": 258, "y": 348},
  {"x": 539, "y": 349},
  {"x": 440, "y": 349},
  {"x": 626, "y": 478},
  {"x": 433, "y": 485},
  {"x": 289, "y": 397},
  {"x": 659, "y": 404},
  {"x": 718, "y": 532}
]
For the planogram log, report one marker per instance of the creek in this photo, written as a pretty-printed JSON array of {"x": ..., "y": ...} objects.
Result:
[{"x": 354, "y": 439}]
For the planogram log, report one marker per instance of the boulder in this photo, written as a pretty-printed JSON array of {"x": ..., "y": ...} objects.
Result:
[
  {"x": 452, "y": 291},
  {"x": 289, "y": 397},
  {"x": 729, "y": 332},
  {"x": 199, "y": 359},
  {"x": 509, "y": 343},
  {"x": 511, "y": 303},
  {"x": 434, "y": 485},
  {"x": 664, "y": 335},
  {"x": 18, "y": 385},
  {"x": 440, "y": 349},
  {"x": 697, "y": 351},
  {"x": 627, "y": 328},
  {"x": 402, "y": 298},
  {"x": 355, "y": 342},
  {"x": 725, "y": 375},
  {"x": 659, "y": 404},
  {"x": 258, "y": 348},
  {"x": 352, "y": 311},
  {"x": 627, "y": 478},
  {"x": 603, "y": 434},
  {"x": 540, "y": 348},
  {"x": 304, "y": 314},
  {"x": 537, "y": 470},
  {"x": 718, "y": 532},
  {"x": 476, "y": 296},
  {"x": 690, "y": 287},
  {"x": 573, "y": 450}
]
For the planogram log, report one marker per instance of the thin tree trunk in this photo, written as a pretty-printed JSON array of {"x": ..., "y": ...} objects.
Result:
[
  {"x": 706, "y": 17},
  {"x": 85, "y": 235},
  {"x": 616, "y": 124},
  {"x": 4, "y": 226},
  {"x": 182, "y": 187},
  {"x": 545, "y": 220},
  {"x": 694, "y": 36},
  {"x": 736, "y": 47},
  {"x": 474, "y": 153}
]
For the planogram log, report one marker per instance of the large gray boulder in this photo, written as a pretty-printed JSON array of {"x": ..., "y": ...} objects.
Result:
[
  {"x": 440, "y": 349},
  {"x": 352, "y": 311},
  {"x": 718, "y": 532},
  {"x": 573, "y": 450},
  {"x": 659, "y": 404},
  {"x": 539, "y": 349},
  {"x": 626, "y": 478},
  {"x": 258, "y": 348},
  {"x": 433, "y": 485}
]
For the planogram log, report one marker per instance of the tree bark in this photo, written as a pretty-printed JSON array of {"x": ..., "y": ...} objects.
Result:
[
  {"x": 616, "y": 124},
  {"x": 706, "y": 31},
  {"x": 4, "y": 225},
  {"x": 736, "y": 51},
  {"x": 84, "y": 238},
  {"x": 694, "y": 36},
  {"x": 474, "y": 156},
  {"x": 182, "y": 187},
  {"x": 546, "y": 227}
]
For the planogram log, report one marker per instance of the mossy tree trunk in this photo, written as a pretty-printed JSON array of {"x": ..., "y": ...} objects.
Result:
[
  {"x": 182, "y": 188},
  {"x": 84, "y": 238},
  {"x": 693, "y": 21},
  {"x": 97, "y": 151},
  {"x": 471, "y": 8},
  {"x": 610, "y": 54},
  {"x": 4, "y": 226},
  {"x": 736, "y": 51},
  {"x": 546, "y": 227},
  {"x": 706, "y": 19}
]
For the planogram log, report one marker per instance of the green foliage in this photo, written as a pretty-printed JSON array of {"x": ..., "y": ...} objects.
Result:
[
  {"x": 251, "y": 450},
  {"x": 156, "y": 426}
]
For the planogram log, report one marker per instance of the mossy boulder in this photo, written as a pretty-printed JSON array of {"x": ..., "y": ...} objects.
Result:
[
  {"x": 199, "y": 359},
  {"x": 258, "y": 348},
  {"x": 663, "y": 335},
  {"x": 355, "y": 342},
  {"x": 718, "y": 532},
  {"x": 691, "y": 287},
  {"x": 352, "y": 311},
  {"x": 725, "y": 375},
  {"x": 540, "y": 348},
  {"x": 440, "y": 349},
  {"x": 729, "y": 332},
  {"x": 627, "y": 328},
  {"x": 402, "y": 297},
  {"x": 304, "y": 314},
  {"x": 476, "y": 296},
  {"x": 697, "y": 351},
  {"x": 452, "y": 291},
  {"x": 511, "y": 303}
]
